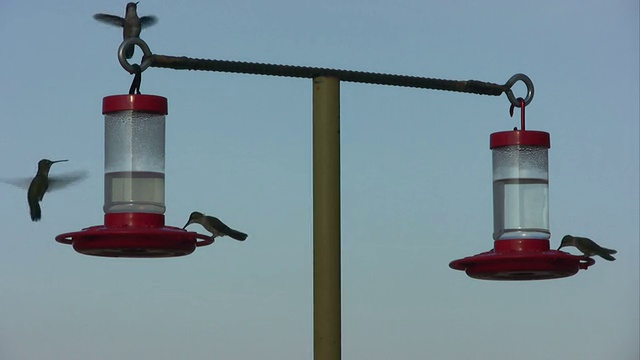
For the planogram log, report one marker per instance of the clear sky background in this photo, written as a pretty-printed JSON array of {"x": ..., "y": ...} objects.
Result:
[{"x": 416, "y": 180}]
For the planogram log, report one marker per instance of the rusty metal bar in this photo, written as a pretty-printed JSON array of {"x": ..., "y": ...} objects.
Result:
[{"x": 185, "y": 63}]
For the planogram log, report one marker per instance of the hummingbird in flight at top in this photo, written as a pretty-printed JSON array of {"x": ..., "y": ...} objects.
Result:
[
  {"x": 215, "y": 226},
  {"x": 131, "y": 24},
  {"x": 587, "y": 246}
]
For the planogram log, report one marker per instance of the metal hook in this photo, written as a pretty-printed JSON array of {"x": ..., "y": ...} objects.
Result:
[
  {"x": 522, "y": 105},
  {"x": 527, "y": 81},
  {"x": 145, "y": 58},
  {"x": 137, "y": 80}
]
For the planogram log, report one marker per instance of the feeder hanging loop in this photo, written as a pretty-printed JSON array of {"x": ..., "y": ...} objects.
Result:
[
  {"x": 145, "y": 58},
  {"x": 527, "y": 81}
]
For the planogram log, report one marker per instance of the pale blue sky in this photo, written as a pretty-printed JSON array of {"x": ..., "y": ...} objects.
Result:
[{"x": 416, "y": 180}]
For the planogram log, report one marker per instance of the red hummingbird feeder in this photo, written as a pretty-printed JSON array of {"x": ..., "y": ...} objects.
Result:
[
  {"x": 134, "y": 186},
  {"x": 521, "y": 233}
]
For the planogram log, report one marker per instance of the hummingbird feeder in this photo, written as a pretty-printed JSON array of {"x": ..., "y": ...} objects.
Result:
[
  {"x": 521, "y": 233},
  {"x": 134, "y": 186}
]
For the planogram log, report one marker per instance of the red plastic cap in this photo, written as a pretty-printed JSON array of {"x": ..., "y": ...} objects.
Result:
[
  {"x": 145, "y": 103},
  {"x": 517, "y": 137},
  {"x": 138, "y": 220}
]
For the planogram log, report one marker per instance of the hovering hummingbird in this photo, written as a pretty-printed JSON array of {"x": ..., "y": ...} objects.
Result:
[
  {"x": 215, "y": 226},
  {"x": 587, "y": 246},
  {"x": 131, "y": 24},
  {"x": 37, "y": 186}
]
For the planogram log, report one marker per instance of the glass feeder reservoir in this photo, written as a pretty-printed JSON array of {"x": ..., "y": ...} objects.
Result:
[
  {"x": 520, "y": 185},
  {"x": 134, "y": 155}
]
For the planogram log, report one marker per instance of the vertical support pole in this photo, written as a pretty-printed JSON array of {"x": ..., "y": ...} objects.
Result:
[{"x": 326, "y": 219}]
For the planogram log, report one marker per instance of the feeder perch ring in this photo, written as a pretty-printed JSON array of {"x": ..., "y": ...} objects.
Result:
[
  {"x": 134, "y": 236},
  {"x": 522, "y": 260}
]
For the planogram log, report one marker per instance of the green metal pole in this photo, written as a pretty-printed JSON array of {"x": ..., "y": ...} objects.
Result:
[{"x": 326, "y": 219}]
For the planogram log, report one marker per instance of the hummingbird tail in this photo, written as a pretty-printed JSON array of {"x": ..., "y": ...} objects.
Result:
[
  {"x": 607, "y": 256},
  {"x": 609, "y": 251},
  {"x": 36, "y": 213},
  {"x": 240, "y": 236}
]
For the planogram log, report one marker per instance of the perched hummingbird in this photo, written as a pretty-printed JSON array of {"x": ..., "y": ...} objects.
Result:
[
  {"x": 587, "y": 246},
  {"x": 131, "y": 24},
  {"x": 215, "y": 226},
  {"x": 38, "y": 187}
]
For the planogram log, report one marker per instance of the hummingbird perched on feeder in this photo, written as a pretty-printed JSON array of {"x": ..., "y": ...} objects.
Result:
[
  {"x": 131, "y": 24},
  {"x": 587, "y": 246},
  {"x": 215, "y": 226}
]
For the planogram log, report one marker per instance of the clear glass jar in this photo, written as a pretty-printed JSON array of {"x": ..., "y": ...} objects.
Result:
[
  {"x": 520, "y": 185},
  {"x": 134, "y": 153}
]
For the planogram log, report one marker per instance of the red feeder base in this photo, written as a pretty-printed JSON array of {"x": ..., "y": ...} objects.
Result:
[
  {"x": 134, "y": 235},
  {"x": 522, "y": 260}
]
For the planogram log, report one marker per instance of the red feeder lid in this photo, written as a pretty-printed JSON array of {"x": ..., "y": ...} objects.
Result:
[
  {"x": 520, "y": 137},
  {"x": 134, "y": 235},
  {"x": 145, "y": 103},
  {"x": 522, "y": 260}
]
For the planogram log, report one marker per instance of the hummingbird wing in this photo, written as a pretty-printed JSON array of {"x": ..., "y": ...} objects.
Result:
[
  {"x": 224, "y": 229},
  {"x": 586, "y": 241},
  {"x": 110, "y": 19},
  {"x": 607, "y": 256},
  {"x": 592, "y": 246},
  {"x": 55, "y": 182},
  {"x": 146, "y": 21},
  {"x": 22, "y": 183},
  {"x": 61, "y": 181}
]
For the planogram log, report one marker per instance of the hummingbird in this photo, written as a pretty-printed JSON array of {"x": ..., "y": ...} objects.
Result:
[
  {"x": 587, "y": 246},
  {"x": 131, "y": 24},
  {"x": 38, "y": 187},
  {"x": 215, "y": 226}
]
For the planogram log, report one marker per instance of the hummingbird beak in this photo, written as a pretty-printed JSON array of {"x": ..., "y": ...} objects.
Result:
[
  {"x": 57, "y": 161},
  {"x": 188, "y": 222}
]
